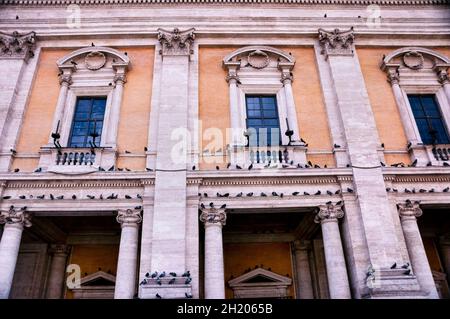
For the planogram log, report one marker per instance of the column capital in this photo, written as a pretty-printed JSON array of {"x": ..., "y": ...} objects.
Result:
[
  {"x": 176, "y": 42},
  {"x": 393, "y": 75},
  {"x": 233, "y": 78},
  {"x": 65, "y": 79},
  {"x": 17, "y": 46},
  {"x": 441, "y": 71},
  {"x": 212, "y": 216},
  {"x": 328, "y": 213},
  {"x": 286, "y": 78},
  {"x": 129, "y": 217},
  {"x": 409, "y": 210},
  {"x": 14, "y": 216},
  {"x": 59, "y": 249},
  {"x": 302, "y": 245},
  {"x": 336, "y": 42},
  {"x": 120, "y": 78}
]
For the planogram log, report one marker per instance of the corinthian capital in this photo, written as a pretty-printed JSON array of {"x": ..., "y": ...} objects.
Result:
[
  {"x": 212, "y": 216},
  {"x": 19, "y": 217},
  {"x": 176, "y": 42},
  {"x": 409, "y": 210},
  {"x": 328, "y": 213},
  {"x": 336, "y": 42},
  {"x": 129, "y": 217},
  {"x": 17, "y": 46}
]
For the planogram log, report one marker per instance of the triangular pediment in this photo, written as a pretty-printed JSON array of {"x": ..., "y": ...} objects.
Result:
[
  {"x": 260, "y": 276},
  {"x": 99, "y": 278}
]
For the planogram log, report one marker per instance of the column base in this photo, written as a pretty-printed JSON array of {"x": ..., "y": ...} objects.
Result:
[
  {"x": 177, "y": 290},
  {"x": 393, "y": 284}
]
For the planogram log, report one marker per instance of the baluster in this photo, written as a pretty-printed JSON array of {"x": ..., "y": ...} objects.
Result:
[
  {"x": 69, "y": 162},
  {"x": 433, "y": 150},
  {"x": 64, "y": 160},
  {"x": 445, "y": 154},
  {"x": 82, "y": 159},
  {"x": 58, "y": 158},
  {"x": 87, "y": 158},
  {"x": 286, "y": 155},
  {"x": 439, "y": 151},
  {"x": 92, "y": 158}
]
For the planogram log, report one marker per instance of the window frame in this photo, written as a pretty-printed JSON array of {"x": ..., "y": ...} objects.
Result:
[
  {"x": 427, "y": 118},
  {"x": 89, "y": 120},
  {"x": 260, "y": 97}
]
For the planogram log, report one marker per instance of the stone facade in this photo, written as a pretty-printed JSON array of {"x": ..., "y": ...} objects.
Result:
[{"x": 345, "y": 190}]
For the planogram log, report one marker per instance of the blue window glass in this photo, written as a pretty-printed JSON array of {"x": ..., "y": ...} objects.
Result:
[
  {"x": 262, "y": 118},
  {"x": 428, "y": 119},
  {"x": 88, "y": 118}
]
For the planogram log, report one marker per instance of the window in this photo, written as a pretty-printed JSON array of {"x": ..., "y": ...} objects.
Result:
[
  {"x": 429, "y": 119},
  {"x": 88, "y": 118},
  {"x": 262, "y": 116}
]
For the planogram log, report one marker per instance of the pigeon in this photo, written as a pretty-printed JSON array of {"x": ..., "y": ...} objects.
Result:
[
  {"x": 188, "y": 296},
  {"x": 143, "y": 282},
  {"x": 226, "y": 195},
  {"x": 394, "y": 266},
  {"x": 349, "y": 190},
  {"x": 127, "y": 196},
  {"x": 217, "y": 168},
  {"x": 52, "y": 197},
  {"x": 205, "y": 194},
  {"x": 431, "y": 190},
  {"x": 239, "y": 195},
  {"x": 306, "y": 193},
  {"x": 193, "y": 168},
  {"x": 446, "y": 164},
  {"x": 337, "y": 192},
  {"x": 405, "y": 266},
  {"x": 274, "y": 194},
  {"x": 250, "y": 167},
  {"x": 211, "y": 204},
  {"x": 101, "y": 169},
  {"x": 90, "y": 196},
  {"x": 281, "y": 195},
  {"x": 41, "y": 197},
  {"x": 101, "y": 196},
  {"x": 407, "y": 272},
  {"x": 188, "y": 280},
  {"x": 407, "y": 190},
  {"x": 318, "y": 193},
  {"x": 422, "y": 190},
  {"x": 148, "y": 169},
  {"x": 263, "y": 195},
  {"x": 388, "y": 189},
  {"x": 339, "y": 203},
  {"x": 249, "y": 194},
  {"x": 154, "y": 274},
  {"x": 158, "y": 296},
  {"x": 329, "y": 193},
  {"x": 60, "y": 197},
  {"x": 6, "y": 197},
  {"x": 445, "y": 190},
  {"x": 16, "y": 170},
  {"x": 429, "y": 164},
  {"x": 127, "y": 152},
  {"x": 299, "y": 166},
  {"x": 92, "y": 44},
  {"x": 158, "y": 281},
  {"x": 147, "y": 275},
  {"x": 228, "y": 165},
  {"x": 111, "y": 169},
  {"x": 172, "y": 281},
  {"x": 238, "y": 167},
  {"x": 336, "y": 146},
  {"x": 414, "y": 163},
  {"x": 202, "y": 205},
  {"x": 172, "y": 274},
  {"x": 74, "y": 197},
  {"x": 74, "y": 63},
  {"x": 145, "y": 149},
  {"x": 38, "y": 170},
  {"x": 295, "y": 193},
  {"x": 139, "y": 196},
  {"x": 328, "y": 203},
  {"x": 22, "y": 197},
  {"x": 382, "y": 164},
  {"x": 223, "y": 206}
]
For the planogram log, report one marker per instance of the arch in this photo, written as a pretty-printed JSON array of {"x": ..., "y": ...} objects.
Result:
[
  {"x": 253, "y": 48},
  {"x": 123, "y": 59},
  {"x": 440, "y": 57}
]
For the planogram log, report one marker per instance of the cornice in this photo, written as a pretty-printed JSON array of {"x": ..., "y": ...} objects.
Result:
[
  {"x": 421, "y": 179},
  {"x": 18, "y": 185},
  {"x": 290, "y": 2},
  {"x": 270, "y": 181}
]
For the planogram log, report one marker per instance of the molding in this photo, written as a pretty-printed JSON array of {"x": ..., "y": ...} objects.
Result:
[
  {"x": 405, "y": 50},
  {"x": 72, "y": 185},
  {"x": 258, "y": 49},
  {"x": 270, "y": 181},
  {"x": 292, "y": 2},
  {"x": 88, "y": 51}
]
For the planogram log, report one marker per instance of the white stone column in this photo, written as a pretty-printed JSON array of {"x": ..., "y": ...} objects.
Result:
[
  {"x": 65, "y": 79},
  {"x": 286, "y": 79},
  {"x": 15, "y": 221},
  {"x": 304, "y": 281},
  {"x": 408, "y": 216},
  {"x": 128, "y": 250},
  {"x": 405, "y": 114},
  {"x": 445, "y": 251},
  {"x": 55, "y": 285},
  {"x": 113, "y": 125},
  {"x": 214, "y": 219},
  {"x": 338, "y": 284}
]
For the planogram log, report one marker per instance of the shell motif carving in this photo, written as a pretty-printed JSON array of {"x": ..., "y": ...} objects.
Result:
[
  {"x": 95, "y": 60},
  {"x": 258, "y": 59}
]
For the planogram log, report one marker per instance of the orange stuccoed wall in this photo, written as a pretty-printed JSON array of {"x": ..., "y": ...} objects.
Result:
[
  {"x": 387, "y": 117},
  {"x": 240, "y": 257},
  {"x": 134, "y": 113},
  {"x": 214, "y": 101}
]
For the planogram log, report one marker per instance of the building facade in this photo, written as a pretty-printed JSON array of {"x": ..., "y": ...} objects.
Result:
[{"x": 224, "y": 149}]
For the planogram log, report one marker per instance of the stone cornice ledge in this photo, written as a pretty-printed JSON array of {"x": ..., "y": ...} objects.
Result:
[{"x": 140, "y": 2}]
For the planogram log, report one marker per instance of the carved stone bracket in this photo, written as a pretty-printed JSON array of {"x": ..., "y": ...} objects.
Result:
[
  {"x": 409, "y": 210},
  {"x": 176, "y": 42},
  {"x": 212, "y": 215},
  {"x": 336, "y": 42},
  {"x": 17, "y": 46},
  {"x": 441, "y": 71},
  {"x": 393, "y": 75},
  {"x": 16, "y": 216},
  {"x": 129, "y": 217},
  {"x": 328, "y": 213}
]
